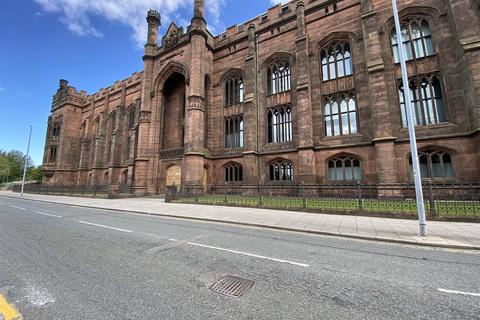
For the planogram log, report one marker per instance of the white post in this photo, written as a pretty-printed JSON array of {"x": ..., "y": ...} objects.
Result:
[
  {"x": 26, "y": 160},
  {"x": 411, "y": 126}
]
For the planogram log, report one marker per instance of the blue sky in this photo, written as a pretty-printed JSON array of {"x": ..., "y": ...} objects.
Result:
[{"x": 91, "y": 43}]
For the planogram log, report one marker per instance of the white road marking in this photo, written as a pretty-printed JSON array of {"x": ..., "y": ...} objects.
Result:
[
  {"x": 18, "y": 208},
  {"x": 459, "y": 292},
  {"x": 38, "y": 297},
  {"x": 102, "y": 226},
  {"x": 249, "y": 254},
  {"x": 48, "y": 214},
  {"x": 174, "y": 240}
]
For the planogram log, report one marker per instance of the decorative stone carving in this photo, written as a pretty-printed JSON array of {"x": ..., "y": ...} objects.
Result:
[
  {"x": 196, "y": 103},
  {"x": 171, "y": 154},
  {"x": 144, "y": 117},
  {"x": 172, "y": 36}
]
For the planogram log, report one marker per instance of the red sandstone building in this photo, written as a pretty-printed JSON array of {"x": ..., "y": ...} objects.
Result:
[{"x": 309, "y": 92}]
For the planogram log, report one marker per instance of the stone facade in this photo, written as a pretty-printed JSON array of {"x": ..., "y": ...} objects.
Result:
[{"x": 170, "y": 123}]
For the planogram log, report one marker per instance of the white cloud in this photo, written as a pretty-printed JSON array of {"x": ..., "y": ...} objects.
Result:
[
  {"x": 77, "y": 14},
  {"x": 279, "y": 1}
]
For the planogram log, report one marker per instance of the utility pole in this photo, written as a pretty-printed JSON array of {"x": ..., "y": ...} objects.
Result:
[
  {"x": 411, "y": 126},
  {"x": 26, "y": 160}
]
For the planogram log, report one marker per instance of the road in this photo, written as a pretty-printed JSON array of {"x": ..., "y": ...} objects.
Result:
[{"x": 66, "y": 263}]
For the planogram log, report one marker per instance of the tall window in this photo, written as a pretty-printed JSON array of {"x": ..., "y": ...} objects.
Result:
[
  {"x": 336, "y": 61},
  {"x": 416, "y": 40},
  {"x": 96, "y": 127},
  {"x": 233, "y": 91},
  {"x": 280, "y": 124},
  {"x": 56, "y": 131},
  {"x": 344, "y": 169},
  {"x": 340, "y": 112},
  {"x": 233, "y": 173},
  {"x": 111, "y": 129},
  {"x": 427, "y": 100},
  {"x": 53, "y": 154},
  {"x": 434, "y": 164},
  {"x": 234, "y": 132},
  {"x": 281, "y": 171},
  {"x": 83, "y": 130},
  {"x": 131, "y": 117},
  {"x": 279, "y": 77}
]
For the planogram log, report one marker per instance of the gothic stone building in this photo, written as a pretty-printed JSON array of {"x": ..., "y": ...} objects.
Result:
[{"x": 309, "y": 92}]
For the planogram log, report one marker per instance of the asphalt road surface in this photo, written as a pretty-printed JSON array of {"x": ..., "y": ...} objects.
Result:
[{"x": 62, "y": 262}]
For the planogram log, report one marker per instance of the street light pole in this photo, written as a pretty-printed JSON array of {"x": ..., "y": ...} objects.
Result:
[
  {"x": 411, "y": 126},
  {"x": 26, "y": 161}
]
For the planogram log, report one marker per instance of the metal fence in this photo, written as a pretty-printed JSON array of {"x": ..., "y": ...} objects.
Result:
[
  {"x": 441, "y": 200},
  {"x": 97, "y": 191}
]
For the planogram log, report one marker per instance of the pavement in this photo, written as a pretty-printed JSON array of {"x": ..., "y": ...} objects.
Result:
[
  {"x": 456, "y": 235},
  {"x": 59, "y": 261}
]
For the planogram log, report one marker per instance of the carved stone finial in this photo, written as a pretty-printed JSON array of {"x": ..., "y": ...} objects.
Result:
[
  {"x": 153, "y": 17},
  {"x": 63, "y": 84}
]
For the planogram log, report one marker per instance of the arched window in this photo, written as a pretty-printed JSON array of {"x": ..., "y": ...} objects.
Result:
[
  {"x": 344, "y": 169},
  {"x": 280, "y": 124},
  {"x": 56, "y": 130},
  {"x": 279, "y": 77},
  {"x": 96, "y": 127},
  {"x": 111, "y": 128},
  {"x": 83, "y": 130},
  {"x": 234, "y": 132},
  {"x": 281, "y": 171},
  {"x": 336, "y": 60},
  {"x": 125, "y": 177},
  {"x": 233, "y": 91},
  {"x": 131, "y": 117},
  {"x": 340, "y": 112},
  {"x": 416, "y": 39},
  {"x": 233, "y": 173},
  {"x": 434, "y": 164},
  {"x": 427, "y": 101}
]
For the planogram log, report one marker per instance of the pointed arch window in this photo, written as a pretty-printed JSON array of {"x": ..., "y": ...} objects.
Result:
[
  {"x": 96, "y": 127},
  {"x": 434, "y": 164},
  {"x": 280, "y": 124},
  {"x": 131, "y": 117},
  {"x": 344, "y": 169},
  {"x": 416, "y": 39},
  {"x": 336, "y": 61},
  {"x": 234, "y": 92},
  {"x": 281, "y": 171},
  {"x": 427, "y": 101},
  {"x": 340, "y": 113},
  {"x": 234, "y": 132},
  {"x": 279, "y": 77},
  {"x": 83, "y": 130},
  {"x": 233, "y": 172}
]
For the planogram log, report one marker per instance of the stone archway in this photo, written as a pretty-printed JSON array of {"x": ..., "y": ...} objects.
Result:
[{"x": 173, "y": 176}]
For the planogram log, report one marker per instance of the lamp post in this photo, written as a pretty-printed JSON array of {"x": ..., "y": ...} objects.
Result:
[
  {"x": 26, "y": 161},
  {"x": 411, "y": 126}
]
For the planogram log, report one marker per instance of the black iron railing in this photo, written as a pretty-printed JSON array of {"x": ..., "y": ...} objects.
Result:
[
  {"x": 441, "y": 200},
  {"x": 98, "y": 191}
]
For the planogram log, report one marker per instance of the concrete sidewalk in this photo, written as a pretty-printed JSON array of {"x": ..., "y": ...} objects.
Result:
[{"x": 441, "y": 234}]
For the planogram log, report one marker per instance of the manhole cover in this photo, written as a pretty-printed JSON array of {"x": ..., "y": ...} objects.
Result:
[{"x": 232, "y": 286}]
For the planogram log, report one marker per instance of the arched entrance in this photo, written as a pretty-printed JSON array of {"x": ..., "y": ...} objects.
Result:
[
  {"x": 173, "y": 103},
  {"x": 174, "y": 176}
]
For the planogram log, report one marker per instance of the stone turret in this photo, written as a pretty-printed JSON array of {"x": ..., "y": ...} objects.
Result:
[{"x": 154, "y": 21}]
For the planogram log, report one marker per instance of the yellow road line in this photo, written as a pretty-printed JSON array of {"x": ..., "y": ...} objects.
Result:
[{"x": 8, "y": 311}]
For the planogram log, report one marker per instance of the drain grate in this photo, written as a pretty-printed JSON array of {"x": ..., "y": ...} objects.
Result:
[{"x": 232, "y": 286}]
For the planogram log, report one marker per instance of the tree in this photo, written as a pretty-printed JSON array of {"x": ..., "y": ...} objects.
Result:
[
  {"x": 35, "y": 174},
  {"x": 11, "y": 165}
]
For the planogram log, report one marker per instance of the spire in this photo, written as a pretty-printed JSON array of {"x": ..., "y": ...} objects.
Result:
[{"x": 199, "y": 9}]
